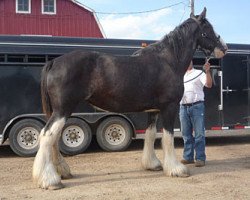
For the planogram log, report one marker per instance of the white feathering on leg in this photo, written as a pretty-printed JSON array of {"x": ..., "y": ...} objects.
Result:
[
  {"x": 149, "y": 159},
  {"x": 59, "y": 162},
  {"x": 171, "y": 166},
  {"x": 44, "y": 172}
]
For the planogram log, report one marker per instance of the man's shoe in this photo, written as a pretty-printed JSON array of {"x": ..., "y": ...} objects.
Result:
[
  {"x": 199, "y": 163},
  {"x": 186, "y": 162}
]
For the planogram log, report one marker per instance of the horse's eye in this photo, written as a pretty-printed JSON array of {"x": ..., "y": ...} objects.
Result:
[{"x": 204, "y": 35}]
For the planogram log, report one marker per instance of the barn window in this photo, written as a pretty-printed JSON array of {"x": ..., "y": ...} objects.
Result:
[
  {"x": 49, "y": 6},
  {"x": 23, "y": 6}
]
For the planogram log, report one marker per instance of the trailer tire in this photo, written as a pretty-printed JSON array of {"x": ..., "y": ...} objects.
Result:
[
  {"x": 24, "y": 135},
  {"x": 76, "y": 137},
  {"x": 114, "y": 134}
]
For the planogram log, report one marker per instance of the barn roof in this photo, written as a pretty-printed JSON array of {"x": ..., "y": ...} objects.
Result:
[{"x": 94, "y": 14}]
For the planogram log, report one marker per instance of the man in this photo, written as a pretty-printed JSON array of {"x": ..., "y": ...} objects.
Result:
[{"x": 192, "y": 114}]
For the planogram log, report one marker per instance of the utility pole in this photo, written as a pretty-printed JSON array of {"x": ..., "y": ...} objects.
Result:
[{"x": 192, "y": 6}]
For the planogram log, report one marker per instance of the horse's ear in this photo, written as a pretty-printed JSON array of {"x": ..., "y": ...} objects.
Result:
[{"x": 203, "y": 14}]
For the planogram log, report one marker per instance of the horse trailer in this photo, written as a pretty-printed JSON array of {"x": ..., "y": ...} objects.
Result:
[{"x": 21, "y": 118}]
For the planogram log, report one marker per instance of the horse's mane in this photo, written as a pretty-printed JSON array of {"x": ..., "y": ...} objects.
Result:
[{"x": 174, "y": 40}]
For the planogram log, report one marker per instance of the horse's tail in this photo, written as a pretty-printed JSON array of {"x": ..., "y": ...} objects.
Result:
[{"x": 47, "y": 109}]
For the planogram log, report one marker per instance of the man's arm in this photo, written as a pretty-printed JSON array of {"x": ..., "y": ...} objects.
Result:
[{"x": 209, "y": 81}]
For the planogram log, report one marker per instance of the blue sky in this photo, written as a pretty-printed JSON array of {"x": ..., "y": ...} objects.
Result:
[{"x": 231, "y": 19}]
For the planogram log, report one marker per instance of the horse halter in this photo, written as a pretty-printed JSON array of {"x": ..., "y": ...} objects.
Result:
[{"x": 204, "y": 35}]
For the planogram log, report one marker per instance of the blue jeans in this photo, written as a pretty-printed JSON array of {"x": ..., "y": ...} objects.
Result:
[{"x": 192, "y": 119}]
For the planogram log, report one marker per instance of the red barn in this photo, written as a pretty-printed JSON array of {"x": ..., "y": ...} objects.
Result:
[{"x": 48, "y": 17}]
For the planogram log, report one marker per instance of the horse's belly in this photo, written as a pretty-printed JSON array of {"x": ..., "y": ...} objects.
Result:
[{"x": 121, "y": 106}]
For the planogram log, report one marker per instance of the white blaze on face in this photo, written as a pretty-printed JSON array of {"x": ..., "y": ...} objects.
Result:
[{"x": 218, "y": 53}]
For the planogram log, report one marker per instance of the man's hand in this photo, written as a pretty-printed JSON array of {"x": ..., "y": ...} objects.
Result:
[
  {"x": 209, "y": 81},
  {"x": 206, "y": 67}
]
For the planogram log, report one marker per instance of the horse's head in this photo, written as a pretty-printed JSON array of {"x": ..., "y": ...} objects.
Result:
[{"x": 208, "y": 40}]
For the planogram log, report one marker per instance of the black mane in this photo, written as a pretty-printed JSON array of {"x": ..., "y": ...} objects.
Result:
[{"x": 173, "y": 41}]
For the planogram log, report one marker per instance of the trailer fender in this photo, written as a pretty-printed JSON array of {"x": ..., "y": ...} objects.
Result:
[{"x": 9, "y": 125}]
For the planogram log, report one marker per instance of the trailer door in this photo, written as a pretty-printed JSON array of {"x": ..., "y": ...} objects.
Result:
[
  {"x": 235, "y": 90},
  {"x": 212, "y": 95},
  {"x": 213, "y": 98}
]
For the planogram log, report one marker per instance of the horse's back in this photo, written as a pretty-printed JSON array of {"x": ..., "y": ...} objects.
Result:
[
  {"x": 76, "y": 58},
  {"x": 71, "y": 66}
]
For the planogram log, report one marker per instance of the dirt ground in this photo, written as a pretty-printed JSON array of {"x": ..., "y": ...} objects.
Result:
[{"x": 115, "y": 176}]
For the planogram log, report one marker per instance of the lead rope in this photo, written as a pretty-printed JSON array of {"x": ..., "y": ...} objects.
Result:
[
  {"x": 207, "y": 60},
  {"x": 193, "y": 78}
]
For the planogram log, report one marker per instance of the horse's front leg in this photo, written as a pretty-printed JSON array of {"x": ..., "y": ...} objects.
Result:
[
  {"x": 44, "y": 172},
  {"x": 171, "y": 166},
  {"x": 149, "y": 159}
]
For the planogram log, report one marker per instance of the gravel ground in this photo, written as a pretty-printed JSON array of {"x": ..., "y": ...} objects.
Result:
[{"x": 115, "y": 176}]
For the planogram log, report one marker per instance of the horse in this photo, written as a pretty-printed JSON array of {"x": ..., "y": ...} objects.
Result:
[{"x": 150, "y": 80}]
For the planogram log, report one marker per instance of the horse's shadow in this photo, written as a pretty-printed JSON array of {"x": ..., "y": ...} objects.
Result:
[
  {"x": 222, "y": 166},
  {"x": 112, "y": 177},
  {"x": 219, "y": 167}
]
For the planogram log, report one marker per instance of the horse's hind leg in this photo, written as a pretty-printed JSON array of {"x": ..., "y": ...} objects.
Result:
[
  {"x": 44, "y": 172},
  {"x": 61, "y": 165},
  {"x": 59, "y": 162},
  {"x": 149, "y": 159}
]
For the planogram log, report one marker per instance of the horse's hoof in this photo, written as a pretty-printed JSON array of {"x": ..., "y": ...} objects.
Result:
[
  {"x": 183, "y": 174},
  {"x": 154, "y": 165},
  {"x": 56, "y": 186},
  {"x": 157, "y": 168},
  {"x": 68, "y": 176},
  {"x": 178, "y": 170}
]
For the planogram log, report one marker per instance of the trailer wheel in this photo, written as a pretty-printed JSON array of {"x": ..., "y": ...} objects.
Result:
[
  {"x": 24, "y": 136},
  {"x": 114, "y": 134},
  {"x": 76, "y": 137}
]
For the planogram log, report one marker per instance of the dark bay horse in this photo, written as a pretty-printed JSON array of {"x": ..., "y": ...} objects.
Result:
[{"x": 149, "y": 80}]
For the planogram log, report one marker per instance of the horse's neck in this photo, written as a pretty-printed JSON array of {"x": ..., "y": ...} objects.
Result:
[
  {"x": 186, "y": 51},
  {"x": 187, "y": 55}
]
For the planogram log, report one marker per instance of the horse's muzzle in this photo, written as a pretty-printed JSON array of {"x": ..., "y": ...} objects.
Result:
[{"x": 219, "y": 53}]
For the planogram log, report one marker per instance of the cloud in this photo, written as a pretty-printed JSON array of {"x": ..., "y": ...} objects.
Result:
[{"x": 144, "y": 26}]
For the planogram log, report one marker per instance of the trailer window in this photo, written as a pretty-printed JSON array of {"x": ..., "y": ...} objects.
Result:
[
  {"x": 26, "y": 59},
  {"x": 2, "y": 58},
  {"x": 16, "y": 58},
  {"x": 51, "y": 57},
  {"x": 36, "y": 58}
]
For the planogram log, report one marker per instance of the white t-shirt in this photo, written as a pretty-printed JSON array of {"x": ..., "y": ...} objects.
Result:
[{"x": 193, "y": 90}]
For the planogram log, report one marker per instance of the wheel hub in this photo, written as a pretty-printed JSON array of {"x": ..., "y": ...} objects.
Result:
[
  {"x": 28, "y": 137},
  {"x": 115, "y": 134},
  {"x": 73, "y": 136}
]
